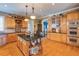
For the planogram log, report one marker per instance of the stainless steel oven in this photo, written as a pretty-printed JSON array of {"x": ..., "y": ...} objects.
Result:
[
  {"x": 73, "y": 28},
  {"x": 72, "y": 33},
  {"x": 73, "y": 41}
]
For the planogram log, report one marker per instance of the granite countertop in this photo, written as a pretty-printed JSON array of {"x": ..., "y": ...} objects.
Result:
[
  {"x": 6, "y": 32},
  {"x": 2, "y": 33},
  {"x": 25, "y": 37},
  {"x": 57, "y": 32}
]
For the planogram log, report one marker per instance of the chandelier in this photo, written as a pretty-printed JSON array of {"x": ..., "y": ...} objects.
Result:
[
  {"x": 30, "y": 17},
  {"x": 26, "y": 18}
]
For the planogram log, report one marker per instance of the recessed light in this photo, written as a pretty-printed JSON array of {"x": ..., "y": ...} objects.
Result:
[{"x": 5, "y": 5}]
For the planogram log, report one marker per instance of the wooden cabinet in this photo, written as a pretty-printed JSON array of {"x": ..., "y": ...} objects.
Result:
[
  {"x": 23, "y": 45},
  {"x": 54, "y": 36},
  {"x": 9, "y": 22},
  {"x": 63, "y": 26},
  {"x": 2, "y": 40},
  {"x": 24, "y": 26},
  {"x": 73, "y": 15},
  {"x": 57, "y": 37},
  {"x": 64, "y": 38},
  {"x": 18, "y": 43},
  {"x": 11, "y": 37}
]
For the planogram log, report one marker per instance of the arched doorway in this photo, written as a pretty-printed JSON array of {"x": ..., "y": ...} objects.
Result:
[{"x": 45, "y": 26}]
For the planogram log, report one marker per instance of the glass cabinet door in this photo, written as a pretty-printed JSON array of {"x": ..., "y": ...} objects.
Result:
[{"x": 55, "y": 25}]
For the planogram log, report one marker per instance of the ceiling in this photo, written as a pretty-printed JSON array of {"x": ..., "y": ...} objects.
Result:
[{"x": 41, "y": 9}]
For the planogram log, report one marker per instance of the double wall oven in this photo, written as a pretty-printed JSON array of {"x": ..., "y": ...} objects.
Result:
[{"x": 73, "y": 32}]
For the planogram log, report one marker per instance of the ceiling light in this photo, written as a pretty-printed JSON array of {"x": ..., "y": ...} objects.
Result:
[
  {"x": 33, "y": 17},
  {"x": 26, "y": 19}
]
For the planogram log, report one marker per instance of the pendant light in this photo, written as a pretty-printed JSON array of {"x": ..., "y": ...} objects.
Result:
[
  {"x": 26, "y": 18},
  {"x": 32, "y": 17}
]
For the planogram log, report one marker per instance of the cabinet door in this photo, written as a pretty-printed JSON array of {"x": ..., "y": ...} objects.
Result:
[
  {"x": 11, "y": 38},
  {"x": 73, "y": 15},
  {"x": 55, "y": 36},
  {"x": 18, "y": 42},
  {"x": 2, "y": 40},
  {"x": 21, "y": 44},
  {"x": 63, "y": 24},
  {"x": 25, "y": 48},
  {"x": 63, "y": 38},
  {"x": 9, "y": 22}
]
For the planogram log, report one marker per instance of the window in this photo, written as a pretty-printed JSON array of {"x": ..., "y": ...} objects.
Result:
[{"x": 1, "y": 23}]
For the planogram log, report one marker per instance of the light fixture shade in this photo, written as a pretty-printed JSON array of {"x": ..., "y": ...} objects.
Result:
[
  {"x": 26, "y": 19},
  {"x": 32, "y": 17}
]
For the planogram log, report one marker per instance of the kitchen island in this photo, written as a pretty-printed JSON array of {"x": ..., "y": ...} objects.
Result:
[{"x": 28, "y": 46}]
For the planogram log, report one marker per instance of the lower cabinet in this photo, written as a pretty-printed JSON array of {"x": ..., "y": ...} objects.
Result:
[
  {"x": 57, "y": 37},
  {"x": 23, "y": 45},
  {"x": 11, "y": 37},
  {"x": 2, "y": 40}
]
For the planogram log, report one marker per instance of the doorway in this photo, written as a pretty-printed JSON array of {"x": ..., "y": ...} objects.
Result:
[{"x": 45, "y": 26}]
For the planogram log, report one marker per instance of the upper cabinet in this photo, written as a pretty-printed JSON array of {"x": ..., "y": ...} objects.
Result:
[
  {"x": 24, "y": 24},
  {"x": 60, "y": 23},
  {"x": 73, "y": 15},
  {"x": 63, "y": 24},
  {"x": 24, "y": 27},
  {"x": 55, "y": 24},
  {"x": 9, "y": 22}
]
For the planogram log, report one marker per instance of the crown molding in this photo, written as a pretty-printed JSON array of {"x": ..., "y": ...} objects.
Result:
[{"x": 62, "y": 12}]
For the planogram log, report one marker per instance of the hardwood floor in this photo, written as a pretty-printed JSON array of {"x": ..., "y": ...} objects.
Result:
[
  {"x": 50, "y": 48},
  {"x": 10, "y": 50},
  {"x": 53, "y": 48}
]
